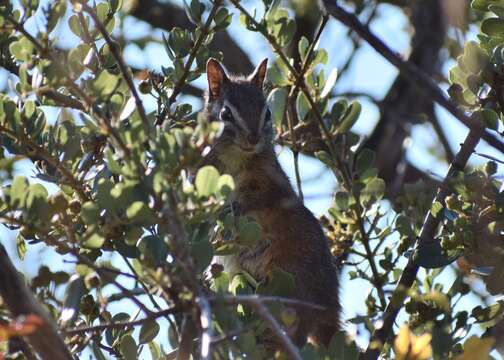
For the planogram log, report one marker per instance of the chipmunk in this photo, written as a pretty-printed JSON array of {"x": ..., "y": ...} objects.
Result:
[{"x": 293, "y": 239}]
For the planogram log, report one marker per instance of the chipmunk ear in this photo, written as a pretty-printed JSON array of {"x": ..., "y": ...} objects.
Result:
[
  {"x": 216, "y": 77},
  {"x": 257, "y": 77}
]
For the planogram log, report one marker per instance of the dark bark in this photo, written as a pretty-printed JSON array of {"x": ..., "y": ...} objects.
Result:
[
  {"x": 45, "y": 340},
  {"x": 402, "y": 106},
  {"x": 427, "y": 235}
]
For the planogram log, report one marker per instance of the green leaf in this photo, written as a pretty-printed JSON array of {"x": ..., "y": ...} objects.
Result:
[
  {"x": 321, "y": 57},
  {"x": 302, "y": 106},
  {"x": 90, "y": 212},
  {"x": 240, "y": 285},
  {"x": 155, "y": 350},
  {"x": 105, "y": 83},
  {"x": 76, "y": 58},
  {"x": 115, "y": 5},
  {"x": 375, "y": 189},
  {"x": 36, "y": 202},
  {"x": 436, "y": 208},
  {"x": 221, "y": 282},
  {"x": 303, "y": 46},
  {"x": 365, "y": 161},
  {"x": 139, "y": 212},
  {"x": 338, "y": 109},
  {"x": 493, "y": 26},
  {"x": 105, "y": 200},
  {"x": 75, "y": 26},
  {"x": 148, "y": 332},
  {"x": 342, "y": 348},
  {"x": 490, "y": 118},
  {"x": 207, "y": 180},
  {"x": 202, "y": 253},
  {"x": 20, "y": 246},
  {"x": 222, "y": 19},
  {"x": 194, "y": 11},
  {"x": 22, "y": 49},
  {"x": 279, "y": 283},
  {"x": 94, "y": 241},
  {"x": 18, "y": 192},
  {"x": 331, "y": 80},
  {"x": 226, "y": 185},
  {"x": 97, "y": 352},
  {"x": 277, "y": 100},
  {"x": 128, "y": 347},
  {"x": 324, "y": 157},
  {"x": 74, "y": 291},
  {"x": 250, "y": 233},
  {"x": 180, "y": 42},
  {"x": 57, "y": 12},
  {"x": 342, "y": 200},
  {"x": 103, "y": 14},
  {"x": 112, "y": 164},
  {"x": 350, "y": 118},
  {"x": 153, "y": 249}
]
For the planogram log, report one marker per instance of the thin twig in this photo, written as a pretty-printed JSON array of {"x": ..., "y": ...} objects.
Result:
[
  {"x": 291, "y": 110},
  {"x": 114, "y": 49},
  {"x": 192, "y": 56},
  {"x": 121, "y": 324},
  {"x": 19, "y": 300},
  {"x": 44, "y": 154},
  {"x": 284, "y": 339},
  {"x": 427, "y": 234},
  {"x": 254, "y": 299},
  {"x": 410, "y": 71},
  {"x": 278, "y": 49}
]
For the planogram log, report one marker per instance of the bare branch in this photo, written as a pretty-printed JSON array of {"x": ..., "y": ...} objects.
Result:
[
  {"x": 121, "y": 324},
  {"x": 192, "y": 56},
  {"x": 410, "y": 71},
  {"x": 427, "y": 234},
  {"x": 54, "y": 162},
  {"x": 122, "y": 66},
  {"x": 284, "y": 339},
  {"x": 46, "y": 339}
]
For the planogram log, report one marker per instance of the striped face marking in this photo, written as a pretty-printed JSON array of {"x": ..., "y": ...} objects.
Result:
[{"x": 231, "y": 116}]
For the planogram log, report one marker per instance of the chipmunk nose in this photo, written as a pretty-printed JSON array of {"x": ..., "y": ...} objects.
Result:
[{"x": 253, "y": 139}]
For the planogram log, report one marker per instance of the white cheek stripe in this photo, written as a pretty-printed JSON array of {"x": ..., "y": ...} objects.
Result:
[
  {"x": 242, "y": 122},
  {"x": 263, "y": 117},
  {"x": 236, "y": 115}
]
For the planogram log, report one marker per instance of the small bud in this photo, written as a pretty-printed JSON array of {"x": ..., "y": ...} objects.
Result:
[
  {"x": 59, "y": 202},
  {"x": 92, "y": 280},
  {"x": 74, "y": 206},
  {"x": 145, "y": 87},
  {"x": 490, "y": 168}
]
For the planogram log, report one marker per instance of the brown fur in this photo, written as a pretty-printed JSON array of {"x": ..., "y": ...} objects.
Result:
[{"x": 293, "y": 238}]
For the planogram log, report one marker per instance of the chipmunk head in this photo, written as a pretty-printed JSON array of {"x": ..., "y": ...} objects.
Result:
[{"x": 239, "y": 103}]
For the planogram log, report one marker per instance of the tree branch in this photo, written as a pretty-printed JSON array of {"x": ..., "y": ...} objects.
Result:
[
  {"x": 18, "y": 299},
  {"x": 58, "y": 98},
  {"x": 192, "y": 56},
  {"x": 409, "y": 71},
  {"x": 114, "y": 48},
  {"x": 427, "y": 234},
  {"x": 121, "y": 324},
  {"x": 166, "y": 16}
]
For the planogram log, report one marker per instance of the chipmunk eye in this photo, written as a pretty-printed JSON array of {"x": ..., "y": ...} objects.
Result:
[
  {"x": 267, "y": 117},
  {"x": 226, "y": 114}
]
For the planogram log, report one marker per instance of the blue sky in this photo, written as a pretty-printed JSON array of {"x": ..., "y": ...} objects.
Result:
[{"x": 369, "y": 73}]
